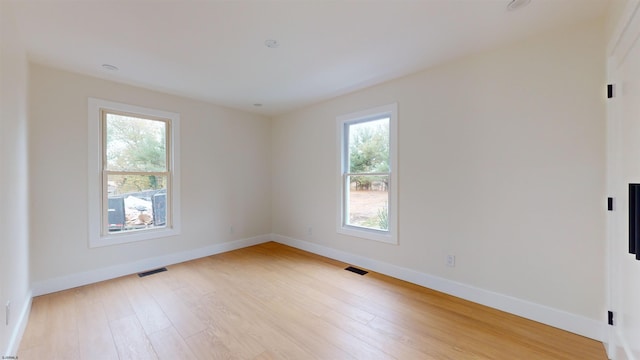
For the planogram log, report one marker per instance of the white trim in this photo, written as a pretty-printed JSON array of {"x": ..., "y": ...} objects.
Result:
[
  {"x": 613, "y": 168},
  {"x": 557, "y": 318},
  {"x": 95, "y": 174},
  {"x": 622, "y": 41},
  {"x": 111, "y": 272},
  {"x": 391, "y": 236},
  {"x": 21, "y": 325}
]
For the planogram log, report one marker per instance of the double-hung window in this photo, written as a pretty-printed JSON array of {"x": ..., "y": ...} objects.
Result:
[
  {"x": 368, "y": 174},
  {"x": 133, "y": 190}
]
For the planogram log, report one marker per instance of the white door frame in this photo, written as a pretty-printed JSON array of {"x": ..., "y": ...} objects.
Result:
[{"x": 626, "y": 35}]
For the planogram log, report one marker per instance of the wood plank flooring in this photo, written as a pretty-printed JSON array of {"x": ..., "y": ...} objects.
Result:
[{"x": 274, "y": 302}]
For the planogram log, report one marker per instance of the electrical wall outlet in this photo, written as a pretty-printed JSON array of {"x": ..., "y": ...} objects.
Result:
[
  {"x": 451, "y": 260},
  {"x": 309, "y": 231},
  {"x": 231, "y": 230}
]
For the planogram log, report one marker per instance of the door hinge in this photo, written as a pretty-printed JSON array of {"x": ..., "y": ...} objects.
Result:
[
  {"x": 610, "y": 318},
  {"x": 610, "y": 91},
  {"x": 610, "y": 203}
]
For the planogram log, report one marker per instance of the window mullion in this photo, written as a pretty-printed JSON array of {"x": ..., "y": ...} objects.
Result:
[
  {"x": 141, "y": 173},
  {"x": 369, "y": 174}
]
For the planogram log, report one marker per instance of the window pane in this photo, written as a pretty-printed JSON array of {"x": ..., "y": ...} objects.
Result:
[
  {"x": 135, "y": 144},
  {"x": 368, "y": 201},
  {"x": 369, "y": 146},
  {"x": 136, "y": 202}
]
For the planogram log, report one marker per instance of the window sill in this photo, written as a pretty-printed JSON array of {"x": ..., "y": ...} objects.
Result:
[
  {"x": 132, "y": 236},
  {"x": 381, "y": 236}
]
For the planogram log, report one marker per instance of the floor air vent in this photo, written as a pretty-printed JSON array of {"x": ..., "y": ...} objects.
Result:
[
  {"x": 151, "y": 272},
  {"x": 356, "y": 270}
]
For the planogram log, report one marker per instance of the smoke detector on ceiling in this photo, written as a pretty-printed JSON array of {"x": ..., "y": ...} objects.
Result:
[
  {"x": 517, "y": 4},
  {"x": 270, "y": 43}
]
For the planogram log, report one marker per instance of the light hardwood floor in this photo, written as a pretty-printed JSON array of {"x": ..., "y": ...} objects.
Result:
[{"x": 274, "y": 302}]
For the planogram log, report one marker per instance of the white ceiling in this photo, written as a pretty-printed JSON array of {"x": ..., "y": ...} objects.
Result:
[{"x": 214, "y": 50}]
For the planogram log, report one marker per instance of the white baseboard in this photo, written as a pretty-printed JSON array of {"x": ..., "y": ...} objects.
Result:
[
  {"x": 21, "y": 325},
  {"x": 111, "y": 272},
  {"x": 557, "y": 318}
]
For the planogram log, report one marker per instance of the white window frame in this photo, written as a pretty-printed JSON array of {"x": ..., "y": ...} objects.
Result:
[
  {"x": 97, "y": 236},
  {"x": 391, "y": 235}
]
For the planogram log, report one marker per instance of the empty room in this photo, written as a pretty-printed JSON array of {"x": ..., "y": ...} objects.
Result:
[{"x": 429, "y": 179}]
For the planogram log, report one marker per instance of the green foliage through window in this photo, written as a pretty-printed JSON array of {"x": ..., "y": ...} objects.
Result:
[
  {"x": 368, "y": 179},
  {"x": 135, "y": 145},
  {"x": 369, "y": 147},
  {"x": 136, "y": 173}
]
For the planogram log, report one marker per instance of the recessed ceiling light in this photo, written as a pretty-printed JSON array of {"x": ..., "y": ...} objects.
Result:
[
  {"x": 517, "y": 4},
  {"x": 109, "y": 67},
  {"x": 270, "y": 43}
]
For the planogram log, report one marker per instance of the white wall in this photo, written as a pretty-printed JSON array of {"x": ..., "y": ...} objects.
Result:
[
  {"x": 501, "y": 162},
  {"x": 224, "y": 166},
  {"x": 14, "y": 219}
]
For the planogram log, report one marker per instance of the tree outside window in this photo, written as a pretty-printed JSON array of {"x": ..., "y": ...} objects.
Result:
[
  {"x": 368, "y": 175},
  {"x": 137, "y": 172}
]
